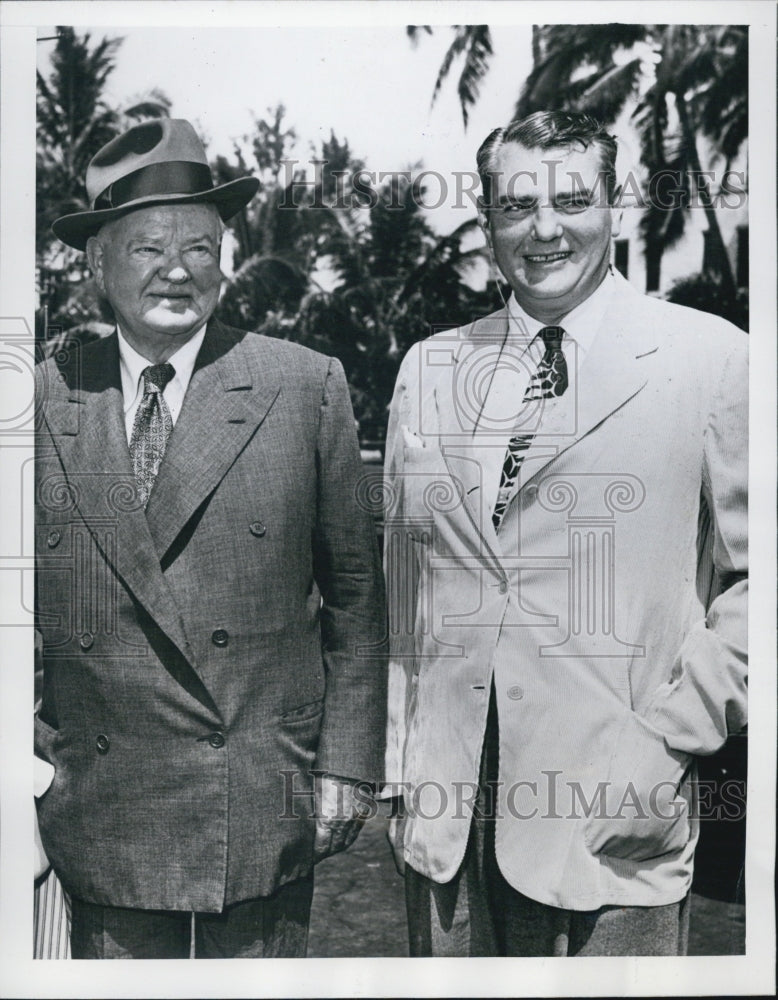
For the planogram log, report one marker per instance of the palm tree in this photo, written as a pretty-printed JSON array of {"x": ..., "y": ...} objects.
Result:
[
  {"x": 398, "y": 281},
  {"x": 277, "y": 247},
  {"x": 351, "y": 270},
  {"x": 473, "y": 42},
  {"x": 73, "y": 122}
]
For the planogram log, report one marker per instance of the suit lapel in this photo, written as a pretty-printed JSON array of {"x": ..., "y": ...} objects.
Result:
[
  {"x": 612, "y": 372},
  {"x": 474, "y": 436},
  {"x": 85, "y": 415},
  {"x": 476, "y": 406},
  {"x": 225, "y": 403}
]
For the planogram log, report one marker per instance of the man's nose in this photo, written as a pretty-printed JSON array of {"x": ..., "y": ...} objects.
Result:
[
  {"x": 546, "y": 225},
  {"x": 173, "y": 268}
]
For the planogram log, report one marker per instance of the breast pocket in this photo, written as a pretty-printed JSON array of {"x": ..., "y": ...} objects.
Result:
[{"x": 429, "y": 490}]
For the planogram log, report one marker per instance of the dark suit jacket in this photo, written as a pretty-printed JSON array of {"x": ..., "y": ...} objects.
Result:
[{"x": 195, "y": 652}]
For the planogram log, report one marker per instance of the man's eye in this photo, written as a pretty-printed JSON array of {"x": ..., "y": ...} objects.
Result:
[
  {"x": 514, "y": 208},
  {"x": 147, "y": 251},
  {"x": 200, "y": 248},
  {"x": 574, "y": 205}
]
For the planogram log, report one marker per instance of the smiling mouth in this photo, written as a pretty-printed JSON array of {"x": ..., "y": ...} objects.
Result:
[{"x": 547, "y": 258}]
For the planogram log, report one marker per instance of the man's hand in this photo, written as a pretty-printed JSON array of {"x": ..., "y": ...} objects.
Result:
[
  {"x": 641, "y": 814},
  {"x": 341, "y": 810}
]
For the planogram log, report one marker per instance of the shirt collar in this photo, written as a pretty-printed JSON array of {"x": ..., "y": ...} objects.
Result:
[
  {"x": 132, "y": 364},
  {"x": 580, "y": 324}
]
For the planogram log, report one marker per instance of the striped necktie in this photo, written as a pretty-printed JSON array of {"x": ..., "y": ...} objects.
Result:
[{"x": 550, "y": 379}]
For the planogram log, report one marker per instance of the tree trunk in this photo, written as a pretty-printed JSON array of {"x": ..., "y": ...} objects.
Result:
[
  {"x": 537, "y": 53},
  {"x": 653, "y": 258},
  {"x": 719, "y": 250}
]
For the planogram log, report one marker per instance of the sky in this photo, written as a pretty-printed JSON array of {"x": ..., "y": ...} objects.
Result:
[{"x": 368, "y": 84}]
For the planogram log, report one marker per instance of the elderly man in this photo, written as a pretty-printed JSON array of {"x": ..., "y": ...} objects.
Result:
[
  {"x": 209, "y": 593},
  {"x": 566, "y": 546}
]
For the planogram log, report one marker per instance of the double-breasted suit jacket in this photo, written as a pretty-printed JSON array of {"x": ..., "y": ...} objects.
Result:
[
  {"x": 202, "y": 656},
  {"x": 590, "y": 612}
]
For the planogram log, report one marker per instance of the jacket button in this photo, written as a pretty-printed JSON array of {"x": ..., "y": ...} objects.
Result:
[
  {"x": 102, "y": 743},
  {"x": 53, "y": 539},
  {"x": 257, "y": 528},
  {"x": 220, "y": 637},
  {"x": 86, "y": 641},
  {"x": 503, "y": 587},
  {"x": 216, "y": 740},
  {"x": 515, "y": 693}
]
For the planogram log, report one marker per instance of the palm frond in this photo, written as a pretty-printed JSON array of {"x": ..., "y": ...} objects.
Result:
[
  {"x": 479, "y": 53},
  {"x": 606, "y": 96},
  {"x": 456, "y": 48},
  {"x": 412, "y": 31}
]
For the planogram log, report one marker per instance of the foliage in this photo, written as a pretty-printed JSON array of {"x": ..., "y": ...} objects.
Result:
[
  {"x": 73, "y": 122},
  {"x": 704, "y": 291},
  {"x": 574, "y": 68},
  {"x": 342, "y": 266}
]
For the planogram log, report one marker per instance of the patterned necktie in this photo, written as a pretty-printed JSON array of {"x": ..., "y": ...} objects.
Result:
[
  {"x": 151, "y": 428},
  {"x": 550, "y": 379}
]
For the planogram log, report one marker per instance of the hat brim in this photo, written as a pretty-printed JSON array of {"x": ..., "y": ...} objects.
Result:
[{"x": 228, "y": 198}]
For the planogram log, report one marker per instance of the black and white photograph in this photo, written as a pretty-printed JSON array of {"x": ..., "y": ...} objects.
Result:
[{"x": 387, "y": 405}]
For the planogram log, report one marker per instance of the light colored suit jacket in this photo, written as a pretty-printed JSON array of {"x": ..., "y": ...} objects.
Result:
[
  {"x": 199, "y": 658},
  {"x": 589, "y": 612}
]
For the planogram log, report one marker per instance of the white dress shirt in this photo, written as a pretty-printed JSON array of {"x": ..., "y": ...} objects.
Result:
[
  {"x": 504, "y": 407},
  {"x": 132, "y": 364},
  {"x": 580, "y": 324}
]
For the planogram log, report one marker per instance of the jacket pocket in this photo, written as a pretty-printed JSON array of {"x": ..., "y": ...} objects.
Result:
[
  {"x": 303, "y": 713},
  {"x": 640, "y": 814}
]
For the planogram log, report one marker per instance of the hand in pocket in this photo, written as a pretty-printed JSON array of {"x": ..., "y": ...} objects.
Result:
[{"x": 639, "y": 814}]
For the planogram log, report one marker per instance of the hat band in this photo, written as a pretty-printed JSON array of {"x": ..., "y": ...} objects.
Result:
[{"x": 172, "y": 178}]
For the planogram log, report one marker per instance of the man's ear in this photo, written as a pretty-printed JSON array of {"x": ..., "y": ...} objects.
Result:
[
  {"x": 483, "y": 222},
  {"x": 617, "y": 212},
  {"x": 94, "y": 255}
]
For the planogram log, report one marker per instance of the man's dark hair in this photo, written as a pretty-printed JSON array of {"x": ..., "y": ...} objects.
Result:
[{"x": 550, "y": 130}]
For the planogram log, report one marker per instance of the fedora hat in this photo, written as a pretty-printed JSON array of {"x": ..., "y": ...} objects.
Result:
[{"x": 159, "y": 162}]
